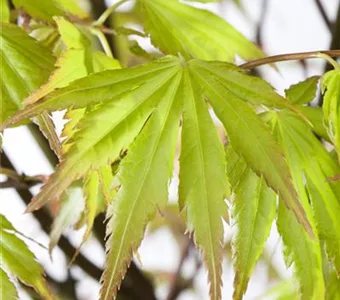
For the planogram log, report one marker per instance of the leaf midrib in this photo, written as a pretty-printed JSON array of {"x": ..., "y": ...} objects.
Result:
[{"x": 203, "y": 176}]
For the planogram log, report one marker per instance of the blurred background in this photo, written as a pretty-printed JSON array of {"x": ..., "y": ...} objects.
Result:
[{"x": 167, "y": 265}]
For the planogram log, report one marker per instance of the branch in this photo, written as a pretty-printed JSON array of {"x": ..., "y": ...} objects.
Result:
[
  {"x": 290, "y": 56},
  {"x": 98, "y": 8},
  {"x": 335, "y": 44},
  {"x": 323, "y": 14},
  {"x": 177, "y": 284},
  {"x": 20, "y": 181},
  {"x": 261, "y": 22}
]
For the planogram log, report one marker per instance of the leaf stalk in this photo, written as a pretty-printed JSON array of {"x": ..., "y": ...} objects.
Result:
[
  {"x": 101, "y": 20},
  {"x": 293, "y": 56}
]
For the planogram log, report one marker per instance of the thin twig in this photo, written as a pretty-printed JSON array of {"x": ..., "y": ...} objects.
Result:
[
  {"x": 261, "y": 22},
  {"x": 323, "y": 14},
  {"x": 174, "y": 288},
  {"x": 286, "y": 57},
  {"x": 335, "y": 44},
  {"x": 101, "y": 20},
  {"x": 20, "y": 181}
]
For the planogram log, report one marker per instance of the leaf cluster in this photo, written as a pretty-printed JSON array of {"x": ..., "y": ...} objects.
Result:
[{"x": 118, "y": 148}]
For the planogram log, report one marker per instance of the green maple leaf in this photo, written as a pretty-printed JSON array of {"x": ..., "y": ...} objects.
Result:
[
  {"x": 310, "y": 166},
  {"x": 147, "y": 103},
  {"x": 19, "y": 261},
  {"x": 303, "y": 92},
  {"x": 195, "y": 33}
]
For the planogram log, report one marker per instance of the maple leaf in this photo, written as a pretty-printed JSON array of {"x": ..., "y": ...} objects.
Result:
[{"x": 147, "y": 103}]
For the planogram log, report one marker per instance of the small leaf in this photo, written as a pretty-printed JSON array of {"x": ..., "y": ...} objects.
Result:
[
  {"x": 19, "y": 261},
  {"x": 179, "y": 28},
  {"x": 303, "y": 92},
  {"x": 76, "y": 62},
  {"x": 72, "y": 37}
]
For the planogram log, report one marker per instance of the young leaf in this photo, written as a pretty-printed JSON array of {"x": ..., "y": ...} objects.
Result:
[
  {"x": 179, "y": 28},
  {"x": 265, "y": 156},
  {"x": 19, "y": 261},
  {"x": 331, "y": 106},
  {"x": 144, "y": 177},
  {"x": 76, "y": 62},
  {"x": 7, "y": 288},
  {"x": 254, "y": 208},
  {"x": 45, "y": 10},
  {"x": 303, "y": 92},
  {"x": 25, "y": 65},
  {"x": 202, "y": 192}
]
